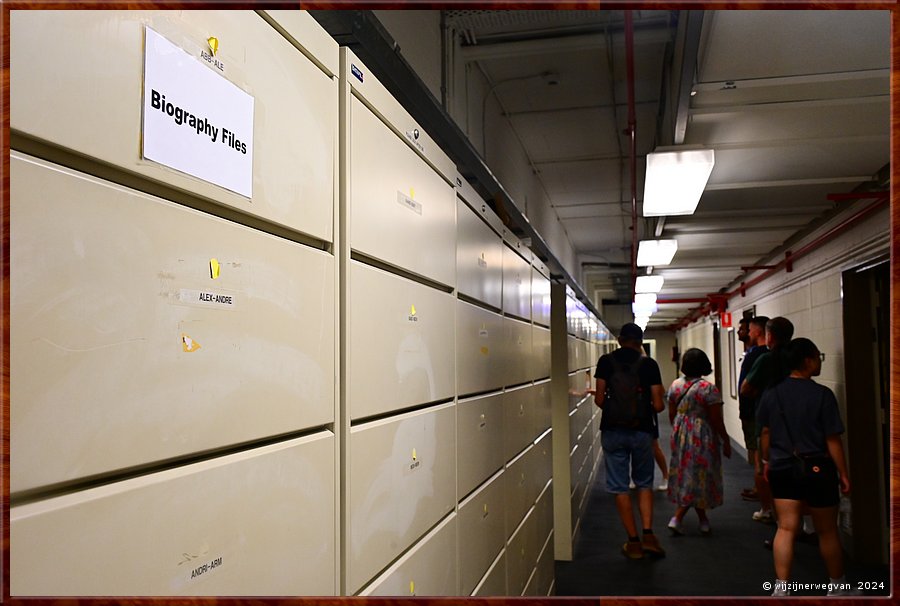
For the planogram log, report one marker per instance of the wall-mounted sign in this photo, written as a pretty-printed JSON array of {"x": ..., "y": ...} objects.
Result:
[{"x": 194, "y": 120}]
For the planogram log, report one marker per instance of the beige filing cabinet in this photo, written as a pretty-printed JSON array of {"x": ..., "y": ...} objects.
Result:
[
  {"x": 540, "y": 352},
  {"x": 522, "y": 554},
  {"x": 516, "y": 279},
  {"x": 400, "y": 342},
  {"x": 519, "y": 481},
  {"x": 402, "y": 474},
  {"x": 479, "y": 430},
  {"x": 542, "y": 579},
  {"x": 516, "y": 352},
  {"x": 92, "y": 103},
  {"x": 480, "y": 347},
  {"x": 540, "y": 294},
  {"x": 482, "y": 533},
  {"x": 479, "y": 251},
  {"x": 542, "y": 410},
  {"x": 259, "y": 522},
  {"x": 402, "y": 203},
  {"x": 519, "y": 426},
  {"x": 126, "y": 351},
  {"x": 494, "y": 581},
  {"x": 426, "y": 570}
]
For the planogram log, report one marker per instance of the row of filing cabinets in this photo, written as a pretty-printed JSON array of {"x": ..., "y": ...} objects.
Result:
[
  {"x": 173, "y": 342},
  {"x": 494, "y": 268},
  {"x": 178, "y": 348},
  {"x": 499, "y": 534}
]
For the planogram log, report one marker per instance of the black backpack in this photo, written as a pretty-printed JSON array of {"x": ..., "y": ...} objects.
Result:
[{"x": 626, "y": 404}]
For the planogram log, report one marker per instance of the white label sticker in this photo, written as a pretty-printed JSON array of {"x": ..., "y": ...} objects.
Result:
[
  {"x": 194, "y": 120},
  {"x": 207, "y": 298},
  {"x": 409, "y": 203}
]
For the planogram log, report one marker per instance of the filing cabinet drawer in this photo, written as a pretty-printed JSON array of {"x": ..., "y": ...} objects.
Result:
[
  {"x": 482, "y": 533},
  {"x": 518, "y": 480},
  {"x": 479, "y": 258},
  {"x": 516, "y": 284},
  {"x": 541, "y": 353},
  {"x": 515, "y": 367},
  {"x": 121, "y": 336},
  {"x": 259, "y": 522},
  {"x": 521, "y": 555},
  {"x": 426, "y": 570},
  {"x": 540, "y": 298},
  {"x": 542, "y": 407},
  {"x": 544, "y": 574},
  {"x": 518, "y": 420},
  {"x": 542, "y": 463},
  {"x": 98, "y": 112},
  {"x": 402, "y": 211},
  {"x": 479, "y": 349},
  {"x": 479, "y": 436},
  {"x": 400, "y": 349},
  {"x": 494, "y": 581},
  {"x": 402, "y": 481}
]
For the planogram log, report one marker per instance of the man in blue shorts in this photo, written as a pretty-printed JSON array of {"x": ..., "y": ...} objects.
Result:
[{"x": 629, "y": 391}]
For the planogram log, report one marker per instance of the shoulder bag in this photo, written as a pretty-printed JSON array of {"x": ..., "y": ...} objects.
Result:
[{"x": 805, "y": 467}]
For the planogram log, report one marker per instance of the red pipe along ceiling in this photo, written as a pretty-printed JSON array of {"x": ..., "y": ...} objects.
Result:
[{"x": 787, "y": 262}]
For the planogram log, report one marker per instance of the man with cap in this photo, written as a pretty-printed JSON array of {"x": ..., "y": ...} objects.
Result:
[{"x": 625, "y": 375}]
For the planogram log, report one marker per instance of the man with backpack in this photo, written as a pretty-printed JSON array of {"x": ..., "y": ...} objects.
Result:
[{"x": 629, "y": 391}]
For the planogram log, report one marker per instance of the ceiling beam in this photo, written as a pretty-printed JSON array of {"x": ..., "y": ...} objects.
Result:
[
  {"x": 690, "y": 48},
  {"x": 787, "y": 182},
  {"x": 782, "y": 81}
]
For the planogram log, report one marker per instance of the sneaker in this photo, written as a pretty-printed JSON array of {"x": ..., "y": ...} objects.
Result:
[
  {"x": 651, "y": 546},
  {"x": 704, "y": 527},
  {"x": 765, "y": 517},
  {"x": 632, "y": 485},
  {"x": 675, "y": 526},
  {"x": 633, "y": 550},
  {"x": 841, "y": 591},
  {"x": 781, "y": 589},
  {"x": 663, "y": 487}
]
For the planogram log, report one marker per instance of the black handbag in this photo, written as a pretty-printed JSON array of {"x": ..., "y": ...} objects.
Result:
[{"x": 806, "y": 467}]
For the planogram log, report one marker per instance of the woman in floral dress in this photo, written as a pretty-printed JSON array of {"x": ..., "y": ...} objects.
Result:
[{"x": 699, "y": 439}]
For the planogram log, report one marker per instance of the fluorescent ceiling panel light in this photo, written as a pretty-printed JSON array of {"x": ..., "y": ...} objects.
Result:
[
  {"x": 643, "y": 309},
  {"x": 649, "y": 284},
  {"x": 656, "y": 252},
  {"x": 675, "y": 180}
]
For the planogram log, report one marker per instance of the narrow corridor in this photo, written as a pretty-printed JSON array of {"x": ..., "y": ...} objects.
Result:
[{"x": 730, "y": 562}]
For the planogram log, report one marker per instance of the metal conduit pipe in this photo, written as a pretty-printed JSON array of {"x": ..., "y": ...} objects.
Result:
[{"x": 632, "y": 127}]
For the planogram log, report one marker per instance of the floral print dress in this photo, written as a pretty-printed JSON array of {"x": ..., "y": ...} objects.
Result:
[{"x": 695, "y": 470}]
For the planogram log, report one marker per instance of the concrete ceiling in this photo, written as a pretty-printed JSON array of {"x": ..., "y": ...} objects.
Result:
[{"x": 794, "y": 103}]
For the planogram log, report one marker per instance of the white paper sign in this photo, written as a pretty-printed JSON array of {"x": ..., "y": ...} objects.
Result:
[{"x": 195, "y": 120}]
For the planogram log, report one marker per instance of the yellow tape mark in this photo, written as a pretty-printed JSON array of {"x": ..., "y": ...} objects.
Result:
[
  {"x": 485, "y": 351},
  {"x": 188, "y": 344},
  {"x": 412, "y": 588},
  {"x": 414, "y": 454},
  {"x": 214, "y": 269},
  {"x": 412, "y": 310},
  {"x": 213, "y": 45}
]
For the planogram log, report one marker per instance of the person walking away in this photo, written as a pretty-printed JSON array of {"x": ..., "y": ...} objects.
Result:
[
  {"x": 755, "y": 346},
  {"x": 801, "y": 423},
  {"x": 629, "y": 391},
  {"x": 768, "y": 370},
  {"x": 699, "y": 439}
]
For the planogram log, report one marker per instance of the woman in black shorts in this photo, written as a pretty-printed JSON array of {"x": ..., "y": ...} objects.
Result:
[{"x": 799, "y": 415}]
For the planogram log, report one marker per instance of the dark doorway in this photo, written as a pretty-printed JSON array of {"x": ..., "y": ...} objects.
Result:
[{"x": 866, "y": 321}]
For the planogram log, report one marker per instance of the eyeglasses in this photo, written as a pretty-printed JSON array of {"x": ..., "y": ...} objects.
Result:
[{"x": 822, "y": 357}]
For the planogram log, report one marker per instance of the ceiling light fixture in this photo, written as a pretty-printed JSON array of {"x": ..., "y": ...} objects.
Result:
[
  {"x": 656, "y": 252},
  {"x": 648, "y": 284},
  {"x": 675, "y": 180}
]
